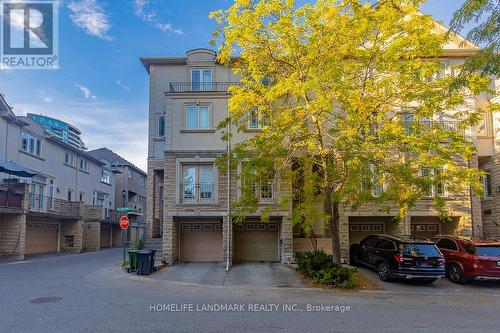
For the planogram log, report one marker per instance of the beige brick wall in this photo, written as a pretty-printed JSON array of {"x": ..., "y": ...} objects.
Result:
[
  {"x": 91, "y": 236},
  {"x": 75, "y": 229},
  {"x": 12, "y": 236}
]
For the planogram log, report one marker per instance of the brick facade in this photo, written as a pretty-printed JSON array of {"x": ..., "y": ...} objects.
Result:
[{"x": 92, "y": 236}]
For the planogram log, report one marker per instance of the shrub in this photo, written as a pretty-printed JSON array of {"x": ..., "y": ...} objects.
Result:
[
  {"x": 138, "y": 245},
  {"x": 318, "y": 266}
]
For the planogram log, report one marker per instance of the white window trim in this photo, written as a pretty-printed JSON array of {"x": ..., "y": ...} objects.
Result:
[
  {"x": 444, "y": 193},
  {"x": 201, "y": 82},
  {"x": 198, "y": 128},
  {"x": 36, "y": 139}
]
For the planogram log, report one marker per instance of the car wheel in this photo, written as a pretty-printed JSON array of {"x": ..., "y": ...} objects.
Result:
[
  {"x": 384, "y": 272},
  {"x": 455, "y": 274}
]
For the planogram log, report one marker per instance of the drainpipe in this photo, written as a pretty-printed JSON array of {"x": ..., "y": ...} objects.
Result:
[{"x": 229, "y": 224}]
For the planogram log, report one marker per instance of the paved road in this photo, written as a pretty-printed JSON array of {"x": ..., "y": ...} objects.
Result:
[{"x": 95, "y": 296}]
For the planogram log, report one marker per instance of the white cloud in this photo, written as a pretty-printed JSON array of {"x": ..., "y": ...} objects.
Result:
[
  {"x": 105, "y": 125},
  {"x": 46, "y": 98},
  {"x": 89, "y": 16},
  {"x": 142, "y": 11},
  {"x": 123, "y": 86},
  {"x": 86, "y": 91}
]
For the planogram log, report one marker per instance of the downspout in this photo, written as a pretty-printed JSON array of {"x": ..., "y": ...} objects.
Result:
[{"x": 229, "y": 224}]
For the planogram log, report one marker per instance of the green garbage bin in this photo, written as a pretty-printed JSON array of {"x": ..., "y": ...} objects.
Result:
[{"x": 132, "y": 260}]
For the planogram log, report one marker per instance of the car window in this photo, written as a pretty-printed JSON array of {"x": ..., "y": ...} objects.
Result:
[
  {"x": 369, "y": 241},
  {"x": 385, "y": 244},
  {"x": 418, "y": 250},
  {"x": 488, "y": 251},
  {"x": 447, "y": 244},
  {"x": 469, "y": 247}
]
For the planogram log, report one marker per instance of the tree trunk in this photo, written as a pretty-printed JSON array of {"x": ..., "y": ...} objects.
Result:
[{"x": 331, "y": 210}]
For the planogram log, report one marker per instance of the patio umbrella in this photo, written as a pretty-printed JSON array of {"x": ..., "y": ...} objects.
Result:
[{"x": 15, "y": 169}]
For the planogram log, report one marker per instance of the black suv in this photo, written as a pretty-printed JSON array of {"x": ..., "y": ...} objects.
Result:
[{"x": 404, "y": 257}]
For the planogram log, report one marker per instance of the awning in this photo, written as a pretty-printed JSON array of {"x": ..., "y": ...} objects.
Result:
[{"x": 15, "y": 169}]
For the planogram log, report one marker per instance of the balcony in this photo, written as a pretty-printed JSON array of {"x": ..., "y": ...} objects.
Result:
[
  {"x": 185, "y": 87},
  {"x": 193, "y": 193},
  {"x": 11, "y": 197},
  {"x": 49, "y": 206},
  {"x": 265, "y": 192},
  {"x": 111, "y": 215},
  {"x": 135, "y": 208}
]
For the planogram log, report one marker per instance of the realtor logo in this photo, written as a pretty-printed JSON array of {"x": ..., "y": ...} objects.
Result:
[{"x": 29, "y": 35}]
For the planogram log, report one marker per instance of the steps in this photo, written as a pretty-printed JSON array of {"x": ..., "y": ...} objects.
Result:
[{"x": 155, "y": 244}]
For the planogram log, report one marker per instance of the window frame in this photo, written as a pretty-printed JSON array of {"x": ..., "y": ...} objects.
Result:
[
  {"x": 202, "y": 85},
  {"x": 160, "y": 122},
  {"x": 487, "y": 184},
  {"x": 198, "y": 107},
  {"x": 31, "y": 144},
  {"x": 107, "y": 179}
]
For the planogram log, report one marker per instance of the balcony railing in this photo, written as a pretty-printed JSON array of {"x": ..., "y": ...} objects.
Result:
[
  {"x": 111, "y": 215},
  {"x": 11, "y": 197},
  {"x": 44, "y": 204},
  {"x": 265, "y": 192},
  {"x": 180, "y": 87},
  {"x": 427, "y": 125},
  {"x": 197, "y": 193}
]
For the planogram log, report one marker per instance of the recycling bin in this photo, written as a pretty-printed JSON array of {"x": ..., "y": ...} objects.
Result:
[
  {"x": 132, "y": 260},
  {"x": 144, "y": 262}
]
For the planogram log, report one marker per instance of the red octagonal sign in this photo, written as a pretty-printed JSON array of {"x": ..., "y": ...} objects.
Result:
[{"x": 124, "y": 222}]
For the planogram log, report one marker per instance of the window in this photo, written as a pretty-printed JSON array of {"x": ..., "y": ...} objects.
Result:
[
  {"x": 434, "y": 185},
  {"x": 142, "y": 181},
  {"x": 447, "y": 244},
  {"x": 201, "y": 79},
  {"x": 31, "y": 144},
  {"x": 197, "y": 184},
  {"x": 442, "y": 71},
  {"x": 69, "y": 159},
  {"x": 83, "y": 165},
  {"x": 488, "y": 192},
  {"x": 378, "y": 185},
  {"x": 129, "y": 173},
  {"x": 161, "y": 126},
  {"x": 264, "y": 189},
  {"x": 106, "y": 177},
  {"x": 197, "y": 117},
  {"x": 70, "y": 194},
  {"x": 354, "y": 227},
  {"x": 256, "y": 120}
]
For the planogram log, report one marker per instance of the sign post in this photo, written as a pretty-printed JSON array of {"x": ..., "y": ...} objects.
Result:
[{"x": 124, "y": 223}]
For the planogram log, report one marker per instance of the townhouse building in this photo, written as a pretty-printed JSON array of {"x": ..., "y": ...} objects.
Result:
[
  {"x": 189, "y": 199},
  {"x": 130, "y": 193},
  {"x": 61, "y": 205}
]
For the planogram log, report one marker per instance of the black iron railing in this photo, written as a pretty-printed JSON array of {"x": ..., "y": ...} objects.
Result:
[
  {"x": 197, "y": 193},
  {"x": 45, "y": 204},
  {"x": 11, "y": 197},
  {"x": 179, "y": 87},
  {"x": 427, "y": 125}
]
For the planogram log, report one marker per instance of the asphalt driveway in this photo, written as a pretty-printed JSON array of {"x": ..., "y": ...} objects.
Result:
[{"x": 242, "y": 274}]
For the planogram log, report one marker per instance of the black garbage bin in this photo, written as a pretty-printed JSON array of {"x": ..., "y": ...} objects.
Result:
[
  {"x": 144, "y": 262},
  {"x": 153, "y": 252}
]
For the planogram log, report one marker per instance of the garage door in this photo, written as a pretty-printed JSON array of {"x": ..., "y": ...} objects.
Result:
[
  {"x": 427, "y": 230},
  {"x": 256, "y": 242},
  {"x": 201, "y": 242},
  {"x": 41, "y": 238},
  {"x": 105, "y": 233},
  {"x": 358, "y": 231}
]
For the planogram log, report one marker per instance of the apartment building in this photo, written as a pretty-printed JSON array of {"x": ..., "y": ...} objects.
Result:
[
  {"x": 489, "y": 162},
  {"x": 61, "y": 206},
  {"x": 188, "y": 198},
  {"x": 63, "y": 131},
  {"x": 130, "y": 193}
]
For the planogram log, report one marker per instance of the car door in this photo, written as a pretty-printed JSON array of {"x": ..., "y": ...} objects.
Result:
[
  {"x": 448, "y": 248},
  {"x": 365, "y": 248}
]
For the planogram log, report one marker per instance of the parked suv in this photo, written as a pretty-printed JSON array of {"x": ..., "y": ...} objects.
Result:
[
  {"x": 467, "y": 260},
  {"x": 403, "y": 257}
]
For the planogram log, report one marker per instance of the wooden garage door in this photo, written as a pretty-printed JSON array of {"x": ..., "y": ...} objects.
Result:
[
  {"x": 41, "y": 238},
  {"x": 256, "y": 242},
  {"x": 105, "y": 232},
  {"x": 201, "y": 242},
  {"x": 358, "y": 231}
]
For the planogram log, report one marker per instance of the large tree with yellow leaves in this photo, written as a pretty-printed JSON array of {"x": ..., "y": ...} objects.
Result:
[{"x": 352, "y": 99}]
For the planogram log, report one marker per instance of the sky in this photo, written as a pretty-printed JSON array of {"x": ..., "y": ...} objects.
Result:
[{"x": 101, "y": 87}]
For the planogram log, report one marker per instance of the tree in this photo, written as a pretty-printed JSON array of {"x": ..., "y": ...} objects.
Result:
[
  {"x": 345, "y": 94},
  {"x": 486, "y": 14}
]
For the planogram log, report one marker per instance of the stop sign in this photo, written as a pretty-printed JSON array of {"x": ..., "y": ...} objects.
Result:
[{"x": 124, "y": 222}]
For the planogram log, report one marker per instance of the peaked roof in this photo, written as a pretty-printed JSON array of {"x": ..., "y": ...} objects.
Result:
[{"x": 113, "y": 158}]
